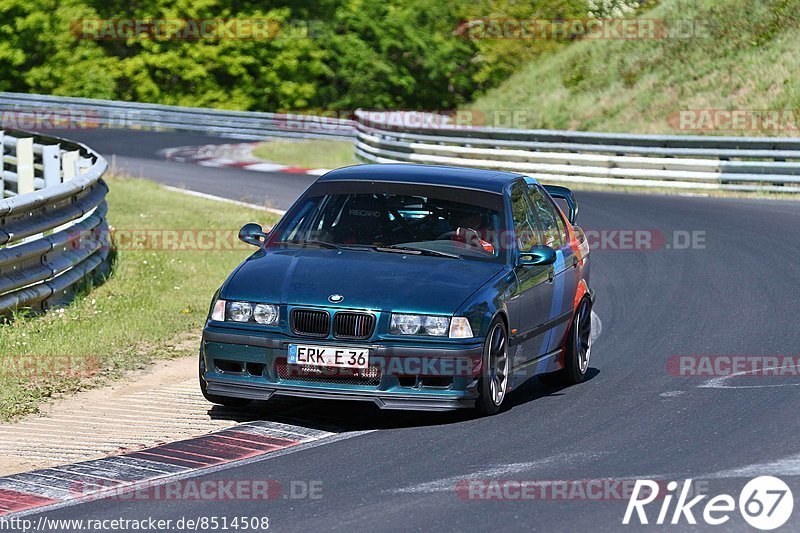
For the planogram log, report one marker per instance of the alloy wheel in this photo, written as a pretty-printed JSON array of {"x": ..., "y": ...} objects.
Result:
[
  {"x": 498, "y": 365},
  {"x": 583, "y": 337}
]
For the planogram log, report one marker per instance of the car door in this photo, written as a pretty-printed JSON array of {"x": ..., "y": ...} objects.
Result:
[
  {"x": 534, "y": 286},
  {"x": 554, "y": 232}
]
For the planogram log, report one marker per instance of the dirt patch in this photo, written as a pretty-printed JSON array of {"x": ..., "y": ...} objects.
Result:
[
  {"x": 156, "y": 375},
  {"x": 161, "y": 403}
]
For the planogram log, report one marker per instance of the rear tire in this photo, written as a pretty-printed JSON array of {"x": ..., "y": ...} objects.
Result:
[
  {"x": 226, "y": 401},
  {"x": 495, "y": 370},
  {"x": 578, "y": 349}
]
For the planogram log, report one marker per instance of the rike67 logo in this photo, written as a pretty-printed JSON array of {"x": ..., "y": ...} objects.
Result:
[{"x": 765, "y": 503}]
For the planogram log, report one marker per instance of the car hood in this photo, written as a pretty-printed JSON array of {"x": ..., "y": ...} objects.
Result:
[{"x": 366, "y": 279}]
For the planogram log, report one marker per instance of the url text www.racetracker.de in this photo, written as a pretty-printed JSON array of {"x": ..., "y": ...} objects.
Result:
[{"x": 185, "y": 523}]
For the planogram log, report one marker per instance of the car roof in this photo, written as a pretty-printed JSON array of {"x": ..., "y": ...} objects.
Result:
[{"x": 469, "y": 178}]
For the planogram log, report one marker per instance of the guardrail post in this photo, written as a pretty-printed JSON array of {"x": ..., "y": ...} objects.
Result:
[
  {"x": 51, "y": 164},
  {"x": 25, "y": 165},
  {"x": 82, "y": 165},
  {"x": 69, "y": 161}
]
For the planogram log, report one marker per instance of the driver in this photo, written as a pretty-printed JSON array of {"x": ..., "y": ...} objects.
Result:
[{"x": 469, "y": 228}]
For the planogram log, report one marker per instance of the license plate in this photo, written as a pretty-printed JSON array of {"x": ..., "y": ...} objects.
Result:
[{"x": 338, "y": 356}]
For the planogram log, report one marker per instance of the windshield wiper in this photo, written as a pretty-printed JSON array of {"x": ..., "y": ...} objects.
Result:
[
  {"x": 321, "y": 244},
  {"x": 324, "y": 244},
  {"x": 391, "y": 248},
  {"x": 418, "y": 251}
]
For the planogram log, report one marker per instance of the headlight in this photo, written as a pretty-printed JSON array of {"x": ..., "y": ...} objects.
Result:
[
  {"x": 240, "y": 311},
  {"x": 419, "y": 325},
  {"x": 266, "y": 314},
  {"x": 405, "y": 324},
  {"x": 436, "y": 325}
]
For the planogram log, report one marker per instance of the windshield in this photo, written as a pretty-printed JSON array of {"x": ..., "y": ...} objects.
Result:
[{"x": 379, "y": 220}]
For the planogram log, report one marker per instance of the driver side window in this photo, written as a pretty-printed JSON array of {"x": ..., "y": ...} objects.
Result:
[
  {"x": 524, "y": 224},
  {"x": 545, "y": 212}
]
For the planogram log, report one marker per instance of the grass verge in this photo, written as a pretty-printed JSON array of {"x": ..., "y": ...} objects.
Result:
[
  {"x": 733, "y": 55},
  {"x": 152, "y": 306},
  {"x": 307, "y": 153}
]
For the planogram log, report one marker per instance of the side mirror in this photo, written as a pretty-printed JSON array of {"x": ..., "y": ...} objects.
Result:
[
  {"x": 252, "y": 234},
  {"x": 537, "y": 256}
]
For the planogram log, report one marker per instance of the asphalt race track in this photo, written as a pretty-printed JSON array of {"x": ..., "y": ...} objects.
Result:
[
  {"x": 136, "y": 153},
  {"x": 733, "y": 293}
]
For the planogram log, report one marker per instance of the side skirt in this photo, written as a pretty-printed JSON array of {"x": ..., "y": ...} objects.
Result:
[{"x": 541, "y": 365}]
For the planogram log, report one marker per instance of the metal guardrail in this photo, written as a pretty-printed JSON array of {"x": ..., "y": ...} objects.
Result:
[
  {"x": 86, "y": 113},
  {"x": 53, "y": 231},
  {"x": 673, "y": 161}
]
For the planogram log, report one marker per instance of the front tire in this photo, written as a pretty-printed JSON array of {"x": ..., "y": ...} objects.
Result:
[
  {"x": 226, "y": 401},
  {"x": 495, "y": 370}
]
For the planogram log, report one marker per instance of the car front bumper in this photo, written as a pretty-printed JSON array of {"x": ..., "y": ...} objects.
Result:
[{"x": 423, "y": 376}]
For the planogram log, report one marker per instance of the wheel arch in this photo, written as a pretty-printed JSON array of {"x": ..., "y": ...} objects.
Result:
[{"x": 502, "y": 314}]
